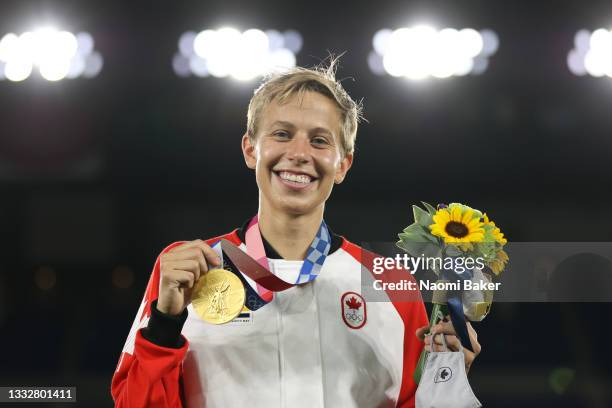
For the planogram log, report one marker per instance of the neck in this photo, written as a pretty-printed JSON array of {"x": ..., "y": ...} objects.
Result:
[{"x": 289, "y": 234}]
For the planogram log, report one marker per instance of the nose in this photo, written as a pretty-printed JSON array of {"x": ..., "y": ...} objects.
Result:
[{"x": 299, "y": 149}]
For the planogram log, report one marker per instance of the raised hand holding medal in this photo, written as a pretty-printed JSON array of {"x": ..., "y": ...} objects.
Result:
[
  {"x": 180, "y": 268},
  {"x": 217, "y": 298}
]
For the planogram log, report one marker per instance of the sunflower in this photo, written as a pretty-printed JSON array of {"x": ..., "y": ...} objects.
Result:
[
  {"x": 457, "y": 224},
  {"x": 496, "y": 232}
]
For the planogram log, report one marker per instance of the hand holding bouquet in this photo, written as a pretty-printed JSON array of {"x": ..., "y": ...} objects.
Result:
[{"x": 456, "y": 231}]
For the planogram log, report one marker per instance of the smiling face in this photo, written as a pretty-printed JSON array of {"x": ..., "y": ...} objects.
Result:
[{"x": 297, "y": 154}]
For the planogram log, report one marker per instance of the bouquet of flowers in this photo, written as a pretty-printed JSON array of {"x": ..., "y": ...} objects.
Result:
[{"x": 456, "y": 231}]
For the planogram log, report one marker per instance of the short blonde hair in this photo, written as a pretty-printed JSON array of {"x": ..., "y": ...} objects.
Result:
[{"x": 297, "y": 81}]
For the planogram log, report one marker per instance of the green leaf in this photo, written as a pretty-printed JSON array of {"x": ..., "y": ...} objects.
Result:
[
  {"x": 415, "y": 235},
  {"x": 453, "y": 250},
  {"x": 429, "y": 208},
  {"x": 416, "y": 249},
  {"x": 414, "y": 228},
  {"x": 421, "y": 217}
]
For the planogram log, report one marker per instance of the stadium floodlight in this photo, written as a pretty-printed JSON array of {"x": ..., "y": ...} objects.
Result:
[
  {"x": 592, "y": 53},
  {"x": 422, "y": 52},
  {"x": 227, "y": 52},
  {"x": 57, "y": 55}
]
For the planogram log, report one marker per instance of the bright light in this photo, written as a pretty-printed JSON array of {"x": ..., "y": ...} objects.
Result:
[
  {"x": 18, "y": 69},
  {"x": 600, "y": 38},
  {"x": 77, "y": 66},
  {"x": 592, "y": 53},
  {"x": 275, "y": 39},
  {"x": 281, "y": 59},
  {"x": 54, "y": 69},
  {"x": 180, "y": 64},
  {"x": 93, "y": 65},
  {"x": 57, "y": 54},
  {"x": 490, "y": 42},
  {"x": 198, "y": 67},
  {"x": 228, "y": 52},
  {"x": 256, "y": 40},
  {"x": 375, "y": 63},
  {"x": 293, "y": 41},
  {"x": 380, "y": 40},
  {"x": 422, "y": 52},
  {"x": 85, "y": 44},
  {"x": 204, "y": 43},
  {"x": 9, "y": 47},
  {"x": 186, "y": 43},
  {"x": 471, "y": 41}
]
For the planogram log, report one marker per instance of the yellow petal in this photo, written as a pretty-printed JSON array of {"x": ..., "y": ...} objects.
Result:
[
  {"x": 474, "y": 223},
  {"x": 503, "y": 255},
  {"x": 455, "y": 214},
  {"x": 467, "y": 216},
  {"x": 441, "y": 217},
  {"x": 475, "y": 237}
]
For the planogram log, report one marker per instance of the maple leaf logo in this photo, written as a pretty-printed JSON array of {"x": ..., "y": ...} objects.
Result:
[{"x": 353, "y": 303}]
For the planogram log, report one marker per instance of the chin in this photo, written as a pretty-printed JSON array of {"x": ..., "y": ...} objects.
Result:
[{"x": 296, "y": 207}]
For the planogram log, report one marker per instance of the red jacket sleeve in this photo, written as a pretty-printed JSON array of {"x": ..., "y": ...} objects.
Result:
[{"x": 148, "y": 375}]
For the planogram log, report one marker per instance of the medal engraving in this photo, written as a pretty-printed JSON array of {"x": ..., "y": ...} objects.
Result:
[{"x": 218, "y": 296}]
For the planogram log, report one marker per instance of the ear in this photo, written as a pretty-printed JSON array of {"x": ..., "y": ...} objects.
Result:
[
  {"x": 248, "y": 151},
  {"x": 345, "y": 165}
]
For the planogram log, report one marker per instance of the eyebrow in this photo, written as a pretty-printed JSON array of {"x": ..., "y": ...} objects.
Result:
[
  {"x": 292, "y": 126},
  {"x": 283, "y": 124}
]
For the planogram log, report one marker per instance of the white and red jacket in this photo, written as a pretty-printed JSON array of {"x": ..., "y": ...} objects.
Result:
[{"x": 300, "y": 350}]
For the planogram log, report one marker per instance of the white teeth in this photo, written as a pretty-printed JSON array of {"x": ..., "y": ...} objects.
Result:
[{"x": 298, "y": 178}]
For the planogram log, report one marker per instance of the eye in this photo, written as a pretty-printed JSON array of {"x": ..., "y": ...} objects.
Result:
[
  {"x": 320, "y": 140},
  {"x": 281, "y": 134}
]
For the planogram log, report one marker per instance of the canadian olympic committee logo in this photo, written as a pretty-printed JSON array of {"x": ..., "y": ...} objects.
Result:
[
  {"x": 443, "y": 374},
  {"x": 353, "y": 310}
]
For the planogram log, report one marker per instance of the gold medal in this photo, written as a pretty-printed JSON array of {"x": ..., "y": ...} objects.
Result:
[{"x": 218, "y": 296}]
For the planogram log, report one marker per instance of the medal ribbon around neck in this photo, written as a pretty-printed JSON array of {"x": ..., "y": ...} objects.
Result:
[{"x": 255, "y": 264}]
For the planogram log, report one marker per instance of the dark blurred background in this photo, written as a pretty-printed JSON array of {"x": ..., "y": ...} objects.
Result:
[{"x": 98, "y": 175}]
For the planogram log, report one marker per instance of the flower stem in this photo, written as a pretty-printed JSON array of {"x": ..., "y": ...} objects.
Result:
[{"x": 437, "y": 313}]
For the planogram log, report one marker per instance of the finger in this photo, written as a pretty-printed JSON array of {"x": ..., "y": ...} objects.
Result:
[
  {"x": 210, "y": 254},
  {"x": 436, "y": 347},
  {"x": 452, "y": 342},
  {"x": 183, "y": 246},
  {"x": 448, "y": 329},
  {"x": 186, "y": 265},
  {"x": 438, "y": 339},
  {"x": 444, "y": 327},
  {"x": 448, "y": 337},
  {"x": 439, "y": 348},
  {"x": 474, "y": 340},
  {"x": 430, "y": 341},
  {"x": 420, "y": 332},
  {"x": 192, "y": 253},
  {"x": 183, "y": 278}
]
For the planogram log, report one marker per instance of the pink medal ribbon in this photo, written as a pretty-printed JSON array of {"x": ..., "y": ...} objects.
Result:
[
  {"x": 254, "y": 263},
  {"x": 255, "y": 249}
]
